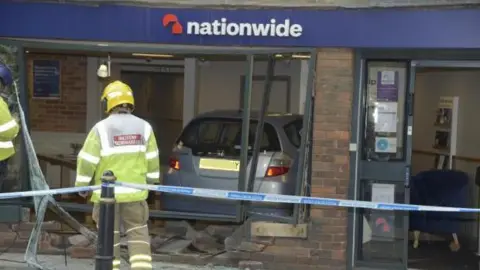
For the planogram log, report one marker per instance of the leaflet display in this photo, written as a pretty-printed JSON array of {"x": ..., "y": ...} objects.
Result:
[{"x": 386, "y": 117}]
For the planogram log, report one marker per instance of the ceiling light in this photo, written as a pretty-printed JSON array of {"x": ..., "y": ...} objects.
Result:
[
  {"x": 102, "y": 71},
  {"x": 294, "y": 56},
  {"x": 153, "y": 55},
  {"x": 300, "y": 56}
]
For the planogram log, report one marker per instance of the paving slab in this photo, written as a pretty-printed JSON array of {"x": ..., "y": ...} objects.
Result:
[{"x": 15, "y": 261}]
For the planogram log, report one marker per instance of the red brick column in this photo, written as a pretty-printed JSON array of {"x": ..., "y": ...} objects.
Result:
[
  {"x": 326, "y": 245},
  {"x": 330, "y": 169}
]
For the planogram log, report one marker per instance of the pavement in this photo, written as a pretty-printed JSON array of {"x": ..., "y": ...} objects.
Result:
[{"x": 13, "y": 261}]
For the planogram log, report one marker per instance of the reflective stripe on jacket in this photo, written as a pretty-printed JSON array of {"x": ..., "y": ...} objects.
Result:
[
  {"x": 125, "y": 145},
  {"x": 8, "y": 131}
]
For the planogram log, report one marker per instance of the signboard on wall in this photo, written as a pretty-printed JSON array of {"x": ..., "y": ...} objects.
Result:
[
  {"x": 364, "y": 28},
  {"x": 46, "y": 79}
]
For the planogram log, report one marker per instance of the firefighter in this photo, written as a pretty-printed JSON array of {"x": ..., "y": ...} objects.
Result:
[
  {"x": 125, "y": 145},
  {"x": 8, "y": 125}
]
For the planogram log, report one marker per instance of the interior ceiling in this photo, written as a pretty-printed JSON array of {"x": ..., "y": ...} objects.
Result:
[{"x": 209, "y": 57}]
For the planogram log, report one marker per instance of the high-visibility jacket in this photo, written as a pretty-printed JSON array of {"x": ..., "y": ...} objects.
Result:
[
  {"x": 8, "y": 131},
  {"x": 125, "y": 145}
]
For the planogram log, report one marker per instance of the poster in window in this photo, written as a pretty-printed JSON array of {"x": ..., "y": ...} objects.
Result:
[
  {"x": 383, "y": 222},
  {"x": 387, "y": 85},
  {"x": 385, "y": 144},
  {"x": 386, "y": 117},
  {"x": 46, "y": 79}
]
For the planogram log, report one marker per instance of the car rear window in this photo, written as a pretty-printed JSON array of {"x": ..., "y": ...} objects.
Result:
[
  {"x": 293, "y": 131},
  {"x": 223, "y": 134}
]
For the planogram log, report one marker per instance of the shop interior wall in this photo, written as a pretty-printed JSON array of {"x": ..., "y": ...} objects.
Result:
[
  {"x": 429, "y": 87},
  {"x": 56, "y": 124},
  {"x": 221, "y": 81}
]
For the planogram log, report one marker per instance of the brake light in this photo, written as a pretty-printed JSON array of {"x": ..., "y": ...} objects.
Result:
[
  {"x": 276, "y": 171},
  {"x": 174, "y": 163},
  {"x": 279, "y": 165}
]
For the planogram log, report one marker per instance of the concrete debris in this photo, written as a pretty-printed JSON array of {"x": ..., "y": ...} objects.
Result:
[
  {"x": 174, "y": 246},
  {"x": 202, "y": 241},
  {"x": 157, "y": 230},
  {"x": 78, "y": 240},
  {"x": 158, "y": 241},
  {"x": 207, "y": 243},
  {"x": 241, "y": 240},
  {"x": 179, "y": 237},
  {"x": 59, "y": 241},
  {"x": 233, "y": 241},
  {"x": 178, "y": 228},
  {"x": 250, "y": 247},
  {"x": 220, "y": 232}
]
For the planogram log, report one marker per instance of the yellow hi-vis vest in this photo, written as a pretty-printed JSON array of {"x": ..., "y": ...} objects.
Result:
[
  {"x": 125, "y": 145},
  {"x": 8, "y": 131}
]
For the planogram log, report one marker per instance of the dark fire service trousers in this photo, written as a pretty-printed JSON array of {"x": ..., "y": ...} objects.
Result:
[{"x": 134, "y": 217}]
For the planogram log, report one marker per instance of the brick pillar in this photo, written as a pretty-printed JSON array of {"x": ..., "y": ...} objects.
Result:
[{"x": 330, "y": 170}]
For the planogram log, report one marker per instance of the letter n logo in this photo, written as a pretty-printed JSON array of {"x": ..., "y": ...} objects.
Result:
[{"x": 171, "y": 19}]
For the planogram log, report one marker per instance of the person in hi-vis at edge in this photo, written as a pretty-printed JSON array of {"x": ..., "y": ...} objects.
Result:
[
  {"x": 9, "y": 127},
  {"x": 126, "y": 145}
]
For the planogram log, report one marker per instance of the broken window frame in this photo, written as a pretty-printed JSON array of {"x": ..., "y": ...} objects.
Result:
[{"x": 300, "y": 213}]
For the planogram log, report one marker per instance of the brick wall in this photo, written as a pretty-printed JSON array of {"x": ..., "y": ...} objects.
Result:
[
  {"x": 327, "y": 240},
  {"x": 67, "y": 114},
  {"x": 330, "y": 170}
]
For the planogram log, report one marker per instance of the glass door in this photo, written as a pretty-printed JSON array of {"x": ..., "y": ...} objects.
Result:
[{"x": 385, "y": 147}]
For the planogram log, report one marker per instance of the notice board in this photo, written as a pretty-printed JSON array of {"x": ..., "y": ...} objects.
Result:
[{"x": 46, "y": 79}]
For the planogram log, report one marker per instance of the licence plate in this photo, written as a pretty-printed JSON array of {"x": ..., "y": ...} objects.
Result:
[{"x": 219, "y": 164}]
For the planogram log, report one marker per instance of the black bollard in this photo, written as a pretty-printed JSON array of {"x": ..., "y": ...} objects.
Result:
[{"x": 104, "y": 257}]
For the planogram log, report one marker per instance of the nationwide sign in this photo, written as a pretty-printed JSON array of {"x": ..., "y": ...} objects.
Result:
[
  {"x": 223, "y": 27},
  {"x": 299, "y": 28}
]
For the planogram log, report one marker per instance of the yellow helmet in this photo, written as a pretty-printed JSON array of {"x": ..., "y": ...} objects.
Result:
[{"x": 117, "y": 93}]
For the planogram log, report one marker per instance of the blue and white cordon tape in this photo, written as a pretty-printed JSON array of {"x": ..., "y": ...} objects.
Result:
[
  {"x": 35, "y": 193},
  {"x": 247, "y": 196},
  {"x": 274, "y": 198}
]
